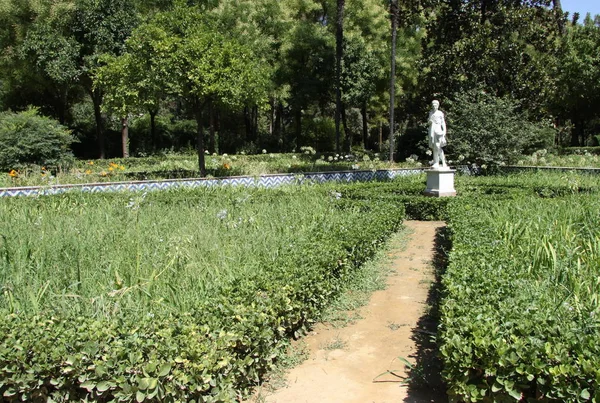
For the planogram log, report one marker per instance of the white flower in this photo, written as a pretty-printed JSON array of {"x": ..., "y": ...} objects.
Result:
[
  {"x": 224, "y": 155},
  {"x": 428, "y": 152},
  {"x": 221, "y": 215},
  {"x": 264, "y": 151},
  {"x": 206, "y": 152},
  {"x": 293, "y": 157},
  {"x": 330, "y": 158}
]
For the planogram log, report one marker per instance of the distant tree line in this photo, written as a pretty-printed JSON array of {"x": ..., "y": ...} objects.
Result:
[{"x": 140, "y": 77}]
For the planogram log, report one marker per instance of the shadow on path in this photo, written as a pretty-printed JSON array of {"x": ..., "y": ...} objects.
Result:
[{"x": 424, "y": 378}]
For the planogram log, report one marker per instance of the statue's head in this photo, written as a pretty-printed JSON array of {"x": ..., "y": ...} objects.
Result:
[{"x": 435, "y": 104}]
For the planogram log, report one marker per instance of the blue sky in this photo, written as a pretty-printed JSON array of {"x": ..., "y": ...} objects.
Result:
[{"x": 581, "y": 6}]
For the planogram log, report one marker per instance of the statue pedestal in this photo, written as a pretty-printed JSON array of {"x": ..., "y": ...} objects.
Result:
[{"x": 440, "y": 183}]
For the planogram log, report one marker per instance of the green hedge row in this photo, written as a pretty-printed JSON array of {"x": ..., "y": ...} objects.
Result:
[
  {"x": 212, "y": 353},
  {"x": 520, "y": 317}
]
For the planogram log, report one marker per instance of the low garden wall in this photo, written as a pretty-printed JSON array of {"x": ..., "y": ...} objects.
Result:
[{"x": 266, "y": 181}]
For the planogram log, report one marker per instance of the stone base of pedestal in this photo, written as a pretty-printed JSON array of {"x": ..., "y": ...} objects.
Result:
[{"x": 440, "y": 183}]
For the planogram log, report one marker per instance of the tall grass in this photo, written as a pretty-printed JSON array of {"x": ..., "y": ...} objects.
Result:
[{"x": 102, "y": 254}]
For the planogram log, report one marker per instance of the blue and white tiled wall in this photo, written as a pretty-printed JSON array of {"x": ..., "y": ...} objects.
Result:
[{"x": 267, "y": 181}]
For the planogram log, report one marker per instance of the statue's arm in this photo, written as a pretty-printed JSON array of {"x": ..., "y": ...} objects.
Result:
[{"x": 443, "y": 124}]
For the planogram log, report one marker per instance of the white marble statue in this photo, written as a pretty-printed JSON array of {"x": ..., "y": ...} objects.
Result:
[{"x": 437, "y": 135}]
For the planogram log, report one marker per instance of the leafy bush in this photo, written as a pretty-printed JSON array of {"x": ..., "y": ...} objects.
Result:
[
  {"x": 487, "y": 129},
  {"x": 29, "y": 138}
]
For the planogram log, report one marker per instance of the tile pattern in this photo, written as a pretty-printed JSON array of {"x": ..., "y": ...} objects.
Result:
[{"x": 267, "y": 181}]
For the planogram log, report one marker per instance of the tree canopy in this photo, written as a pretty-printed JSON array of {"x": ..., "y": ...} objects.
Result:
[{"x": 261, "y": 74}]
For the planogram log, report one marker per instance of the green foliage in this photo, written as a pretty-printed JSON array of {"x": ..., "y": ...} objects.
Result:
[
  {"x": 489, "y": 129},
  {"x": 578, "y": 77},
  {"x": 519, "y": 319},
  {"x": 508, "y": 47},
  {"x": 581, "y": 150},
  {"x": 168, "y": 316},
  {"x": 29, "y": 138}
]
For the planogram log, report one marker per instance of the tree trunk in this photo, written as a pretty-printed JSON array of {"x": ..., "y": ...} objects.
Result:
[
  {"x": 558, "y": 14},
  {"x": 380, "y": 136},
  {"x": 278, "y": 131},
  {"x": 97, "y": 101},
  {"x": 347, "y": 134},
  {"x": 125, "y": 136},
  {"x": 577, "y": 133},
  {"x": 255, "y": 123},
  {"x": 248, "y": 124},
  {"x": 153, "y": 134},
  {"x": 298, "y": 128},
  {"x": 484, "y": 10},
  {"x": 271, "y": 117},
  {"x": 62, "y": 104},
  {"x": 200, "y": 141},
  {"x": 365, "y": 127},
  {"x": 211, "y": 128},
  {"x": 339, "y": 53},
  {"x": 394, "y": 17}
]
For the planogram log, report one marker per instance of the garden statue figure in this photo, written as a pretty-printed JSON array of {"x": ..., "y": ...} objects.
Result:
[{"x": 437, "y": 135}]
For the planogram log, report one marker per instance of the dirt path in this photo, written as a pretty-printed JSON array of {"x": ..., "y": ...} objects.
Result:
[{"x": 344, "y": 362}]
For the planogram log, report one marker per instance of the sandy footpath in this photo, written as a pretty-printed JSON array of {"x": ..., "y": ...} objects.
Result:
[{"x": 345, "y": 363}]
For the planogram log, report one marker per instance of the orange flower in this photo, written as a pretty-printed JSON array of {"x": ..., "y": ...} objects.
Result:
[
  {"x": 122, "y": 167},
  {"x": 103, "y": 173},
  {"x": 87, "y": 171},
  {"x": 110, "y": 168},
  {"x": 226, "y": 166},
  {"x": 13, "y": 173},
  {"x": 91, "y": 163}
]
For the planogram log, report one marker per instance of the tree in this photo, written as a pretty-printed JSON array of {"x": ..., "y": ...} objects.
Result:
[
  {"x": 394, "y": 20},
  {"x": 100, "y": 27},
  {"x": 578, "y": 92},
  {"x": 191, "y": 60},
  {"x": 339, "y": 53},
  {"x": 509, "y": 48},
  {"x": 55, "y": 45}
]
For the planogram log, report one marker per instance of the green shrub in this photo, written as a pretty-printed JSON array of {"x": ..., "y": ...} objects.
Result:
[
  {"x": 29, "y": 138},
  {"x": 486, "y": 129}
]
